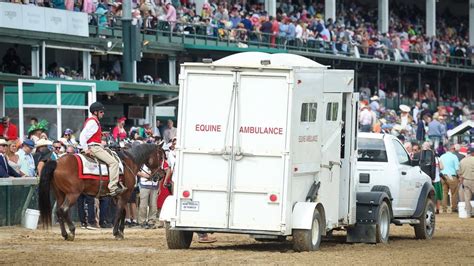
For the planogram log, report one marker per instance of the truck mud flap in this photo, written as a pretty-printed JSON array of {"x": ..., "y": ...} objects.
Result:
[{"x": 364, "y": 231}]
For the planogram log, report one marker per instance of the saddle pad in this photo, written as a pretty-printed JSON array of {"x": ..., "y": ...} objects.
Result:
[{"x": 90, "y": 170}]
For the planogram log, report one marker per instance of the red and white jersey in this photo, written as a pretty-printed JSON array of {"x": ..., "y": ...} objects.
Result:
[{"x": 91, "y": 133}]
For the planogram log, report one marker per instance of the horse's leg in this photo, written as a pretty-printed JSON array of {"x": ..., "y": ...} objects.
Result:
[
  {"x": 60, "y": 199},
  {"x": 66, "y": 207},
  {"x": 119, "y": 222}
]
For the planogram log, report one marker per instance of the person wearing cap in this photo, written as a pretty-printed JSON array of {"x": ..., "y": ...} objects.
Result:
[
  {"x": 405, "y": 117},
  {"x": 8, "y": 130},
  {"x": 68, "y": 138},
  {"x": 26, "y": 161},
  {"x": 466, "y": 179},
  {"x": 91, "y": 139},
  {"x": 366, "y": 119},
  {"x": 5, "y": 169},
  {"x": 119, "y": 132},
  {"x": 457, "y": 149}
]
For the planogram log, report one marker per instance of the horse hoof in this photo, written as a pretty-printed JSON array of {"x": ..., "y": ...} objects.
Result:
[
  {"x": 70, "y": 237},
  {"x": 119, "y": 237}
]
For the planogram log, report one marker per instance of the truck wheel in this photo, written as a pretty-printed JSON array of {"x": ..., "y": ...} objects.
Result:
[
  {"x": 383, "y": 224},
  {"x": 178, "y": 239},
  {"x": 309, "y": 240},
  {"x": 425, "y": 229}
]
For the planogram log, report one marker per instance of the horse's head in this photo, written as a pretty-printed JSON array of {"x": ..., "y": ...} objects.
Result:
[{"x": 155, "y": 160}]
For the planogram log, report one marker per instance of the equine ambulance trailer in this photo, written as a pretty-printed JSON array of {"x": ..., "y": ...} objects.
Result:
[{"x": 266, "y": 147}]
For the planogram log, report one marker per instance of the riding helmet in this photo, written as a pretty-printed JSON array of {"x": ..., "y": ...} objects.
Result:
[{"x": 97, "y": 106}]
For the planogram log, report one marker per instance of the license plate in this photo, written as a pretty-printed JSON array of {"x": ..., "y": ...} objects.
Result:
[{"x": 189, "y": 205}]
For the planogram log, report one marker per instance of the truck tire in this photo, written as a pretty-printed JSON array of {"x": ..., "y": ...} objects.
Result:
[
  {"x": 382, "y": 189},
  {"x": 425, "y": 229},
  {"x": 383, "y": 224},
  {"x": 309, "y": 239},
  {"x": 178, "y": 239}
]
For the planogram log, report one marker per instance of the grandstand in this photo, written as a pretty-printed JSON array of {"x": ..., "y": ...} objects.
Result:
[{"x": 401, "y": 47}]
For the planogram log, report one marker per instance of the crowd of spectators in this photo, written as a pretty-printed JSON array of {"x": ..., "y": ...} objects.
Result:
[{"x": 296, "y": 24}]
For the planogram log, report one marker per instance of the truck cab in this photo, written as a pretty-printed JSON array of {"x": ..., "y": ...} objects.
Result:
[{"x": 383, "y": 164}]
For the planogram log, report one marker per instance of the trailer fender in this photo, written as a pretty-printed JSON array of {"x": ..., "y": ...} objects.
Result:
[
  {"x": 302, "y": 217},
  {"x": 168, "y": 209},
  {"x": 427, "y": 191}
]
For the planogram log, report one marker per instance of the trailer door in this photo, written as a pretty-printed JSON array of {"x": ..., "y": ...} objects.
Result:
[
  {"x": 260, "y": 159},
  {"x": 205, "y": 148}
]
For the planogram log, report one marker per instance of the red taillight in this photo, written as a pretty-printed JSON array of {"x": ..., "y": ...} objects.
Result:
[
  {"x": 273, "y": 198},
  {"x": 186, "y": 194}
]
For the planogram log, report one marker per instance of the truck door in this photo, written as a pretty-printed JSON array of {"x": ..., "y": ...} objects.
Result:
[
  {"x": 331, "y": 148},
  {"x": 408, "y": 178},
  {"x": 205, "y": 148},
  {"x": 260, "y": 157}
]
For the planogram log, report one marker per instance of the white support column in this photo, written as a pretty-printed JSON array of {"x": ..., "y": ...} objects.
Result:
[
  {"x": 471, "y": 22},
  {"x": 43, "y": 60},
  {"x": 330, "y": 10},
  {"x": 151, "y": 110},
  {"x": 430, "y": 18},
  {"x": 86, "y": 65},
  {"x": 172, "y": 69},
  {"x": 270, "y": 7},
  {"x": 134, "y": 71},
  {"x": 35, "y": 61},
  {"x": 383, "y": 19}
]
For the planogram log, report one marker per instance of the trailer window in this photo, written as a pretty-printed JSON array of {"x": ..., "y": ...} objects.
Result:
[
  {"x": 371, "y": 150},
  {"x": 309, "y": 112},
  {"x": 331, "y": 111}
]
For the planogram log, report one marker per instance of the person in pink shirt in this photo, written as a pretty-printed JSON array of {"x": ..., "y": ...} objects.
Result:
[
  {"x": 170, "y": 15},
  {"x": 88, "y": 7}
]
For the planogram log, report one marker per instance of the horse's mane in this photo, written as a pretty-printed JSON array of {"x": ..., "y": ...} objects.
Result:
[{"x": 139, "y": 153}]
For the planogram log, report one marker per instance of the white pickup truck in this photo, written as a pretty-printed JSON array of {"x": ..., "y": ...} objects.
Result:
[{"x": 383, "y": 164}]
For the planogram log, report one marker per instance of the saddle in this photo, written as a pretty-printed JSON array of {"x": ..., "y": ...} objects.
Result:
[{"x": 91, "y": 167}]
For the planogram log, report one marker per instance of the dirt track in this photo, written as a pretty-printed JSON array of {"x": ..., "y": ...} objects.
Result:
[{"x": 21, "y": 246}]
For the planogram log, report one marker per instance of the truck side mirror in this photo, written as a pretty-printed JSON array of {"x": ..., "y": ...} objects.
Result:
[
  {"x": 427, "y": 163},
  {"x": 415, "y": 162}
]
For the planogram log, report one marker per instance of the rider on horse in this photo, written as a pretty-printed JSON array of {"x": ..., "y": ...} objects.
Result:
[{"x": 90, "y": 139}]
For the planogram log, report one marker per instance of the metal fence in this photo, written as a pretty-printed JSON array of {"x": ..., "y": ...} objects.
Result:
[{"x": 202, "y": 34}]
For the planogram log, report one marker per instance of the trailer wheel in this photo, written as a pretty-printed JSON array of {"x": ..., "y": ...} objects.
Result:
[
  {"x": 309, "y": 239},
  {"x": 425, "y": 229},
  {"x": 383, "y": 224},
  {"x": 178, "y": 239}
]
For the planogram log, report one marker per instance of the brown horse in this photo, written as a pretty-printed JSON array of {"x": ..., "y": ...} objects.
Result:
[{"x": 63, "y": 175}]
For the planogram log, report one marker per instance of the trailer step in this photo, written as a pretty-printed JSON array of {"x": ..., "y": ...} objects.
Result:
[{"x": 405, "y": 221}]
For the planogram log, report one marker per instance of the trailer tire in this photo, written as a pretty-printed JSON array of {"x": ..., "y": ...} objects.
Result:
[
  {"x": 309, "y": 239},
  {"x": 425, "y": 229},
  {"x": 383, "y": 224},
  {"x": 176, "y": 239}
]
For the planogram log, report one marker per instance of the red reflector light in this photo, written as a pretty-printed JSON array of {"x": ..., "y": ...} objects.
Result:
[
  {"x": 273, "y": 197},
  {"x": 186, "y": 194}
]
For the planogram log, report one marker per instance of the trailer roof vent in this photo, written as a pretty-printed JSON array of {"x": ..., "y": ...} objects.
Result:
[
  {"x": 207, "y": 60},
  {"x": 265, "y": 62}
]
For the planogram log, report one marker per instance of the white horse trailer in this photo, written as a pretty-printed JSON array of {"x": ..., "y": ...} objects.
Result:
[{"x": 266, "y": 147}]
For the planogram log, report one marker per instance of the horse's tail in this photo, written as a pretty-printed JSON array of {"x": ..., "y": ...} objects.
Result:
[{"x": 44, "y": 201}]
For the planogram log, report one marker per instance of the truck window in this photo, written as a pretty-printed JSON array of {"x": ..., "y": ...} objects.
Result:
[
  {"x": 309, "y": 112},
  {"x": 402, "y": 154},
  {"x": 371, "y": 150},
  {"x": 331, "y": 111}
]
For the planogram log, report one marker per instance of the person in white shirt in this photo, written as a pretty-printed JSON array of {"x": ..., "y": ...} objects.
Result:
[
  {"x": 170, "y": 132},
  {"x": 90, "y": 140},
  {"x": 148, "y": 195}
]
